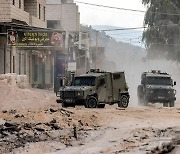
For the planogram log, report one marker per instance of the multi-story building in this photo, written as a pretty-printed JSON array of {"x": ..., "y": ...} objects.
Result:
[
  {"x": 64, "y": 15},
  {"x": 35, "y": 62},
  {"x": 25, "y": 12}
]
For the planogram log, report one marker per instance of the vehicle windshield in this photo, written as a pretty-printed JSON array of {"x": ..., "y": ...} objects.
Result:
[
  {"x": 159, "y": 80},
  {"x": 84, "y": 81}
]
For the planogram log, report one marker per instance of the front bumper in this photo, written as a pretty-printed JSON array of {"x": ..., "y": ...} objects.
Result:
[
  {"x": 161, "y": 99},
  {"x": 59, "y": 100},
  {"x": 71, "y": 101}
]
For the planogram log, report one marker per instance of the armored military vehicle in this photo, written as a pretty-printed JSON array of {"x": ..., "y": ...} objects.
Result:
[
  {"x": 156, "y": 87},
  {"x": 95, "y": 89}
]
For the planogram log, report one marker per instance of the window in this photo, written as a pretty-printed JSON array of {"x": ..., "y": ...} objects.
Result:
[
  {"x": 13, "y": 2},
  {"x": 19, "y": 3},
  {"x": 53, "y": 24},
  {"x": 154, "y": 80},
  {"x": 84, "y": 81},
  {"x": 39, "y": 11},
  {"x": 44, "y": 14},
  {"x": 116, "y": 76},
  {"x": 101, "y": 82}
]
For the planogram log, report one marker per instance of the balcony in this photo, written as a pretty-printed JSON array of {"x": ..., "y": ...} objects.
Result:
[{"x": 8, "y": 12}]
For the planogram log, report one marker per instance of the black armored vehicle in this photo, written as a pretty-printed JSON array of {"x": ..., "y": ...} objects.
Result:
[{"x": 156, "y": 87}]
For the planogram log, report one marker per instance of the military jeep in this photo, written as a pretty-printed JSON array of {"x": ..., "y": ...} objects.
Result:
[
  {"x": 156, "y": 87},
  {"x": 95, "y": 89}
]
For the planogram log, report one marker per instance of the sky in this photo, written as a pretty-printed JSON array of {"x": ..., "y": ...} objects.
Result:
[{"x": 92, "y": 15}]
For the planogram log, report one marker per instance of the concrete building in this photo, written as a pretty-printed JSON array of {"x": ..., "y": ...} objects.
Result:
[
  {"x": 35, "y": 62},
  {"x": 64, "y": 15},
  {"x": 25, "y": 12}
]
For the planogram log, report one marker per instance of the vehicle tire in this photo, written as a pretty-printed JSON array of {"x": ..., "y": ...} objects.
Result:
[
  {"x": 101, "y": 105},
  {"x": 140, "y": 101},
  {"x": 145, "y": 102},
  {"x": 171, "y": 104},
  {"x": 86, "y": 105},
  {"x": 92, "y": 102},
  {"x": 72, "y": 105},
  {"x": 165, "y": 104},
  {"x": 140, "y": 95},
  {"x": 124, "y": 101},
  {"x": 64, "y": 104}
]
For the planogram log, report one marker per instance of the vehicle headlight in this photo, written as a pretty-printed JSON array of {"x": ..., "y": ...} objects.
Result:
[
  {"x": 80, "y": 93},
  {"x": 151, "y": 91},
  {"x": 171, "y": 92},
  {"x": 58, "y": 94}
]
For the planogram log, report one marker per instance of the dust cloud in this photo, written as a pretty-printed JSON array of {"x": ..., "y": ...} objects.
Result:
[{"x": 134, "y": 63}]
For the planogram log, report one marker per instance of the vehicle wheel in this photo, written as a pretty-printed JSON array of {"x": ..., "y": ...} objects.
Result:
[
  {"x": 124, "y": 101},
  {"x": 165, "y": 104},
  {"x": 86, "y": 105},
  {"x": 92, "y": 102},
  {"x": 145, "y": 101},
  {"x": 73, "y": 105},
  {"x": 64, "y": 104},
  {"x": 140, "y": 95},
  {"x": 140, "y": 102},
  {"x": 171, "y": 104},
  {"x": 101, "y": 105}
]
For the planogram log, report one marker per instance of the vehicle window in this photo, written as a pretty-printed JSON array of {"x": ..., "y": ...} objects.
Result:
[
  {"x": 101, "y": 82},
  {"x": 116, "y": 76},
  {"x": 84, "y": 81},
  {"x": 159, "y": 80}
]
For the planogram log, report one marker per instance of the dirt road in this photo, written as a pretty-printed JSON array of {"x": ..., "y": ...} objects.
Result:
[
  {"x": 86, "y": 131},
  {"x": 32, "y": 122}
]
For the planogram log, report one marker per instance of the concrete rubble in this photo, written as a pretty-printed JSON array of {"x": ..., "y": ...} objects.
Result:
[
  {"x": 14, "y": 80},
  {"x": 32, "y": 122}
]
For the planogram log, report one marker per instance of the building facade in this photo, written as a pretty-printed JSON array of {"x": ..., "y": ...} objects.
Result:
[
  {"x": 64, "y": 15},
  {"x": 35, "y": 62},
  {"x": 25, "y": 12}
]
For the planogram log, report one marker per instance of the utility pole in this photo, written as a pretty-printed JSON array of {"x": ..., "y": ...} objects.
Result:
[{"x": 96, "y": 49}]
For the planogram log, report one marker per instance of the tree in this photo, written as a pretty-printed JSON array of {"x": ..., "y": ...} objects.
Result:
[{"x": 162, "y": 35}]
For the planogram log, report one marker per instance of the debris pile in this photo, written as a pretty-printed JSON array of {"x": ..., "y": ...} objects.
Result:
[
  {"x": 14, "y": 94},
  {"x": 15, "y": 80},
  {"x": 23, "y": 128},
  {"x": 15, "y": 135}
]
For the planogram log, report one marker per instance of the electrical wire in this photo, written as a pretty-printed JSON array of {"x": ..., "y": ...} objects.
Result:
[
  {"x": 112, "y": 11},
  {"x": 122, "y": 29},
  {"x": 111, "y": 7},
  {"x": 104, "y": 30}
]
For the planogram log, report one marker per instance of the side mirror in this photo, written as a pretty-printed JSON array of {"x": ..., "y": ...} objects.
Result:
[{"x": 174, "y": 83}]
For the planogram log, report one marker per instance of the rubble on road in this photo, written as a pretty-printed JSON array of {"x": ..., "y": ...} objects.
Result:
[
  {"x": 2, "y": 122},
  {"x": 23, "y": 128},
  {"x": 15, "y": 80},
  {"x": 14, "y": 94}
]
